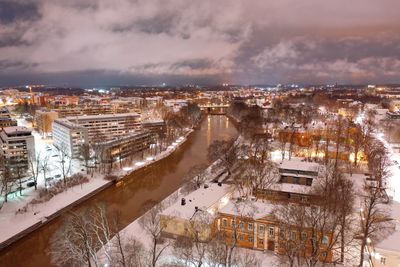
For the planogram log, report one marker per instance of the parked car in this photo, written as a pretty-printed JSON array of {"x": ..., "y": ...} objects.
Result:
[
  {"x": 48, "y": 179},
  {"x": 31, "y": 184},
  {"x": 55, "y": 156},
  {"x": 57, "y": 176}
]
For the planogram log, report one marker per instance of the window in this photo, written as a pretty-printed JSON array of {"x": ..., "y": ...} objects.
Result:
[
  {"x": 261, "y": 228},
  {"x": 296, "y": 180},
  {"x": 282, "y": 232},
  {"x": 233, "y": 223},
  {"x": 224, "y": 222},
  {"x": 293, "y": 235},
  {"x": 241, "y": 225},
  {"x": 325, "y": 240},
  {"x": 271, "y": 231},
  {"x": 241, "y": 237},
  {"x": 309, "y": 181},
  {"x": 323, "y": 254},
  {"x": 250, "y": 226},
  {"x": 383, "y": 260},
  {"x": 251, "y": 238},
  {"x": 303, "y": 236}
]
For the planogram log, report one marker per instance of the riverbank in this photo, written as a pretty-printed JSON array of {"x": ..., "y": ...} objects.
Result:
[{"x": 14, "y": 225}]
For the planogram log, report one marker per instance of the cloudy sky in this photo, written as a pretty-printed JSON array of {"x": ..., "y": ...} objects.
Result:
[{"x": 106, "y": 42}]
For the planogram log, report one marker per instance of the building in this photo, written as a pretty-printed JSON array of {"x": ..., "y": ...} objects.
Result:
[
  {"x": 69, "y": 136},
  {"x": 82, "y": 110},
  {"x": 213, "y": 209},
  {"x": 176, "y": 104},
  {"x": 155, "y": 126},
  {"x": 195, "y": 208},
  {"x": 5, "y": 118},
  {"x": 296, "y": 179},
  {"x": 17, "y": 143},
  {"x": 251, "y": 224},
  {"x": 72, "y": 132},
  {"x": 44, "y": 121},
  {"x": 127, "y": 146}
]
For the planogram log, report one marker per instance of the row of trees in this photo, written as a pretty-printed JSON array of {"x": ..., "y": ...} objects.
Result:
[{"x": 334, "y": 215}]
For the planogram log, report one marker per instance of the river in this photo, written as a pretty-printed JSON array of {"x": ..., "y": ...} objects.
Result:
[{"x": 148, "y": 185}]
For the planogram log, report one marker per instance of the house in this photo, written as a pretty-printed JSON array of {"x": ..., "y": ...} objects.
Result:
[{"x": 196, "y": 208}]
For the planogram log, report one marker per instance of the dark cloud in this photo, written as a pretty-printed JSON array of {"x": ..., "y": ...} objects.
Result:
[
  {"x": 16, "y": 10},
  {"x": 256, "y": 41}
]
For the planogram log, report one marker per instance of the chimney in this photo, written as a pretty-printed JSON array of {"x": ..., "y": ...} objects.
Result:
[
  {"x": 219, "y": 184},
  {"x": 183, "y": 202}
]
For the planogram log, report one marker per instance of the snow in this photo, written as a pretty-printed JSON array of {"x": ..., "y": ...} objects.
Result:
[
  {"x": 391, "y": 242},
  {"x": 214, "y": 196},
  {"x": 299, "y": 165},
  {"x": 254, "y": 209},
  {"x": 11, "y": 223}
]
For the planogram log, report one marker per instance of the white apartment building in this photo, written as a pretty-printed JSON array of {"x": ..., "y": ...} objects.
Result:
[
  {"x": 16, "y": 144},
  {"x": 72, "y": 132}
]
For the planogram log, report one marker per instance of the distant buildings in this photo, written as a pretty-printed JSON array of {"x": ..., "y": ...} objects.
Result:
[
  {"x": 44, "y": 121},
  {"x": 5, "y": 118}
]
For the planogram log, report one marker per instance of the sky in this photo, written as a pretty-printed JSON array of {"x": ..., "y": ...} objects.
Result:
[{"x": 134, "y": 42}]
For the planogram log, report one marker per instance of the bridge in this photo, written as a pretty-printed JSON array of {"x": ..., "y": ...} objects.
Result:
[{"x": 214, "y": 109}]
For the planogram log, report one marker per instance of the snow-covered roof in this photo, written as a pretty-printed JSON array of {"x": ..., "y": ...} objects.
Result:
[
  {"x": 299, "y": 165},
  {"x": 292, "y": 188},
  {"x": 16, "y": 129},
  {"x": 248, "y": 208},
  {"x": 203, "y": 198},
  {"x": 103, "y": 116}
]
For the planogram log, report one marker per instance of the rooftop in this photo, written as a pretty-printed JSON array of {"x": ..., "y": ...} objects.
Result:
[
  {"x": 298, "y": 165},
  {"x": 16, "y": 129},
  {"x": 103, "y": 116},
  {"x": 203, "y": 198}
]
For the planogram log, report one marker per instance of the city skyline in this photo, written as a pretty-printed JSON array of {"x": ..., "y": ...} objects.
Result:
[{"x": 101, "y": 43}]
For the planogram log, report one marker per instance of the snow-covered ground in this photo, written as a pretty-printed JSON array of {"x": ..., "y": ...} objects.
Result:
[
  {"x": 394, "y": 169},
  {"x": 12, "y": 223}
]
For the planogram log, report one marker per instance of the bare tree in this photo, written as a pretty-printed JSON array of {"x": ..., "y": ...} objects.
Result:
[
  {"x": 64, "y": 161},
  {"x": 254, "y": 175},
  {"x": 83, "y": 234},
  {"x": 85, "y": 155},
  {"x": 226, "y": 151},
  {"x": 7, "y": 179},
  {"x": 196, "y": 177},
  {"x": 153, "y": 225},
  {"x": 374, "y": 218},
  {"x": 34, "y": 166},
  {"x": 44, "y": 167}
]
